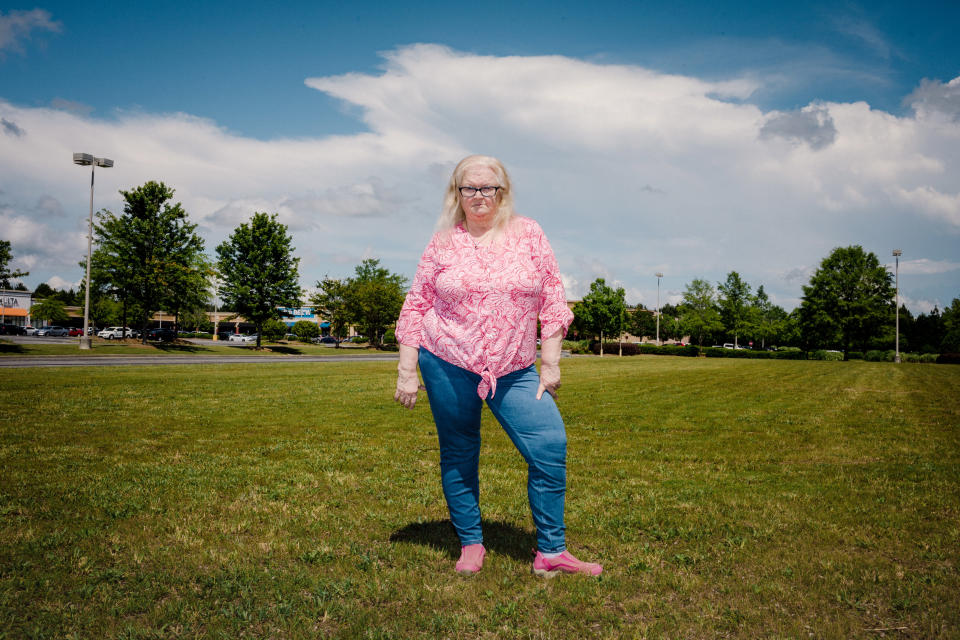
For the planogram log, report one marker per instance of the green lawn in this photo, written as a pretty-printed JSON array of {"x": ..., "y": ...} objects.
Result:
[
  {"x": 726, "y": 498},
  {"x": 181, "y": 347}
]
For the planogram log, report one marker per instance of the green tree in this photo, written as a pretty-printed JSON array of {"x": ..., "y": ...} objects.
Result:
[
  {"x": 849, "y": 301},
  {"x": 670, "y": 328},
  {"x": 188, "y": 287},
  {"x": 734, "y": 301},
  {"x": 330, "y": 303},
  {"x": 602, "y": 311},
  {"x": 146, "y": 253},
  {"x": 258, "y": 270},
  {"x": 699, "y": 316},
  {"x": 305, "y": 330},
  {"x": 642, "y": 322},
  {"x": 6, "y": 275},
  {"x": 374, "y": 297},
  {"x": 927, "y": 332},
  {"x": 951, "y": 328},
  {"x": 767, "y": 319},
  {"x": 50, "y": 310},
  {"x": 273, "y": 330}
]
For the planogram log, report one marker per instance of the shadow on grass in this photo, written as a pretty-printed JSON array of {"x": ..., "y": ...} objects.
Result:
[
  {"x": 505, "y": 539},
  {"x": 10, "y": 347},
  {"x": 178, "y": 347}
]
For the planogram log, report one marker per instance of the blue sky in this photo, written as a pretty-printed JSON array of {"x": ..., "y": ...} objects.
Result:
[{"x": 691, "y": 137}]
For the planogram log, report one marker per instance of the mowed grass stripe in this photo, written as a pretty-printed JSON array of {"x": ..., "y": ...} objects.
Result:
[{"x": 726, "y": 498}]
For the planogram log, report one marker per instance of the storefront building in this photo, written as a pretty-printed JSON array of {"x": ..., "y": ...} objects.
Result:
[{"x": 15, "y": 307}]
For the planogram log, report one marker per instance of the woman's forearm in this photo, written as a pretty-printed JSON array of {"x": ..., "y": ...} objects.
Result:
[{"x": 550, "y": 349}]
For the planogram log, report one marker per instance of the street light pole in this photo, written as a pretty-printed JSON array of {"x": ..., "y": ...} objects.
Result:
[
  {"x": 896, "y": 254},
  {"x": 87, "y": 159},
  {"x": 659, "y": 275}
]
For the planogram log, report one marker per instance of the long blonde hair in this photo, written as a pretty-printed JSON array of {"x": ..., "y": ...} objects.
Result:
[{"x": 452, "y": 213}]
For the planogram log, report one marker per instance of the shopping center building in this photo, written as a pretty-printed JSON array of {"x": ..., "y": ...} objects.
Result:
[{"x": 15, "y": 307}]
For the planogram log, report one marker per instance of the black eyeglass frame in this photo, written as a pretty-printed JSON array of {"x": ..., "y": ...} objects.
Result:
[{"x": 479, "y": 190}]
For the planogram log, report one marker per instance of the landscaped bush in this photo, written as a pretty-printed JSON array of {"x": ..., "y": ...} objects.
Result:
[
  {"x": 787, "y": 354},
  {"x": 389, "y": 337},
  {"x": 948, "y": 358},
  {"x": 855, "y": 355},
  {"x": 928, "y": 357},
  {"x": 273, "y": 329},
  {"x": 577, "y": 346},
  {"x": 719, "y": 352},
  {"x": 629, "y": 348},
  {"x": 305, "y": 330},
  {"x": 823, "y": 354},
  {"x": 875, "y": 355}
]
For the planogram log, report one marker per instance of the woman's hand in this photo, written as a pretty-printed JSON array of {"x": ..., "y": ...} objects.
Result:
[
  {"x": 550, "y": 365},
  {"x": 408, "y": 384},
  {"x": 549, "y": 379}
]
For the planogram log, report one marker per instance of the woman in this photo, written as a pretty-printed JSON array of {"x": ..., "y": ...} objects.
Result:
[{"x": 470, "y": 321}]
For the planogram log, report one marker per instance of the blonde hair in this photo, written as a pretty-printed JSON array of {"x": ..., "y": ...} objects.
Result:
[{"x": 452, "y": 213}]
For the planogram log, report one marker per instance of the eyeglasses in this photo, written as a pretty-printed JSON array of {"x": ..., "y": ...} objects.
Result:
[{"x": 486, "y": 192}]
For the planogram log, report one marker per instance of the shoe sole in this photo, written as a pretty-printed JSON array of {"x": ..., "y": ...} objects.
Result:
[{"x": 548, "y": 573}]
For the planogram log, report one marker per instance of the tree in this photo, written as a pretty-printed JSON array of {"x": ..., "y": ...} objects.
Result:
[
  {"x": 699, "y": 316},
  {"x": 670, "y": 322},
  {"x": 258, "y": 271},
  {"x": 274, "y": 330},
  {"x": 50, "y": 310},
  {"x": 6, "y": 275},
  {"x": 927, "y": 332},
  {"x": 330, "y": 303},
  {"x": 951, "y": 328},
  {"x": 305, "y": 330},
  {"x": 767, "y": 319},
  {"x": 373, "y": 299},
  {"x": 602, "y": 311},
  {"x": 849, "y": 301},
  {"x": 147, "y": 254},
  {"x": 642, "y": 322},
  {"x": 735, "y": 301}
]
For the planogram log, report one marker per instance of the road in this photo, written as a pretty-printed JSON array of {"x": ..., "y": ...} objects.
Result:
[{"x": 14, "y": 361}]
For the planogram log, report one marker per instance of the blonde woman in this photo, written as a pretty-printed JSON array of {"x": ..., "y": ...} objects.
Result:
[{"x": 470, "y": 322}]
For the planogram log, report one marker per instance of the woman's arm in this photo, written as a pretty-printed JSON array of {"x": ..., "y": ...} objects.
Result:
[
  {"x": 408, "y": 384},
  {"x": 550, "y": 364}
]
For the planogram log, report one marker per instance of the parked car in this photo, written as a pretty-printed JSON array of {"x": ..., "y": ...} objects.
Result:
[
  {"x": 75, "y": 331},
  {"x": 117, "y": 333},
  {"x": 239, "y": 337},
  {"x": 324, "y": 340},
  {"x": 29, "y": 331},
  {"x": 53, "y": 331},
  {"x": 11, "y": 330},
  {"x": 163, "y": 335}
]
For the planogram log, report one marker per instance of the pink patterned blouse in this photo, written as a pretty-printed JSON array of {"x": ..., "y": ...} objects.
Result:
[{"x": 477, "y": 307}]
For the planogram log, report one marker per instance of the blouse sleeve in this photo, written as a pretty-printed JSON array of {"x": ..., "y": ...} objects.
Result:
[
  {"x": 419, "y": 299},
  {"x": 555, "y": 315}
]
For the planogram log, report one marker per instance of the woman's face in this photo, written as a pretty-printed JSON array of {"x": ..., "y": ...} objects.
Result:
[{"x": 479, "y": 210}]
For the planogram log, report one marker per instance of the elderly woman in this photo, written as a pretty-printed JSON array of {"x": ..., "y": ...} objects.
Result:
[{"x": 470, "y": 321}]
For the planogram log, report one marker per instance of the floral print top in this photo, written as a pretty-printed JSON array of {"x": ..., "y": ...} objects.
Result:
[{"x": 477, "y": 306}]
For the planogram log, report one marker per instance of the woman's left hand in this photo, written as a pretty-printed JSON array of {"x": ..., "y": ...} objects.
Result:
[{"x": 549, "y": 380}]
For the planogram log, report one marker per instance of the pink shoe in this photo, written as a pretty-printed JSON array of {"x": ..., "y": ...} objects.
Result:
[
  {"x": 564, "y": 563},
  {"x": 471, "y": 559}
]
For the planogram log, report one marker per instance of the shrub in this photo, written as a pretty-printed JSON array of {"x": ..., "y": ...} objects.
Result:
[
  {"x": 389, "y": 337},
  {"x": 719, "y": 352},
  {"x": 928, "y": 357},
  {"x": 875, "y": 355},
  {"x": 855, "y": 355},
  {"x": 787, "y": 354},
  {"x": 305, "y": 330},
  {"x": 273, "y": 329},
  {"x": 822, "y": 354},
  {"x": 948, "y": 358},
  {"x": 577, "y": 346}
]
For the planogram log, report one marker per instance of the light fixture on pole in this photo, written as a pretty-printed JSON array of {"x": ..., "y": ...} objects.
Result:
[
  {"x": 659, "y": 275},
  {"x": 85, "y": 159},
  {"x": 896, "y": 254}
]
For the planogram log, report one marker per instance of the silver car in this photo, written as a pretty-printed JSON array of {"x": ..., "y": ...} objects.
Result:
[{"x": 53, "y": 331}]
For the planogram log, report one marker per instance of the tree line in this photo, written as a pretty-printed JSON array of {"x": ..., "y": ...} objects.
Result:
[
  {"x": 149, "y": 258},
  {"x": 848, "y": 305}
]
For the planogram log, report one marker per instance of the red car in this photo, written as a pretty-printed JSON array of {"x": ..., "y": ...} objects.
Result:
[{"x": 75, "y": 331}]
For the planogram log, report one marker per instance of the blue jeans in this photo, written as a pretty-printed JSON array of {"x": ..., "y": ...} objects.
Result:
[{"x": 534, "y": 426}]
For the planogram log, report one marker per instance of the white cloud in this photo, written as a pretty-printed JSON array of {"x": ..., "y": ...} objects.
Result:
[
  {"x": 628, "y": 170},
  {"x": 17, "y": 26},
  {"x": 927, "y": 267}
]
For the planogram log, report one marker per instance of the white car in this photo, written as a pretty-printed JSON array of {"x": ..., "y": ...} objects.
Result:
[
  {"x": 237, "y": 337},
  {"x": 115, "y": 333},
  {"x": 29, "y": 331}
]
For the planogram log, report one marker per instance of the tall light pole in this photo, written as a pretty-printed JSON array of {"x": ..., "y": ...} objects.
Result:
[
  {"x": 87, "y": 159},
  {"x": 659, "y": 275},
  {"x": 896, "y": 254}
]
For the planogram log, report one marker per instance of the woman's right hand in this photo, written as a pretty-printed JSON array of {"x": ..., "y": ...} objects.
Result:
[
  {"x": 407, "y": 387},
  {"x": 408, "y": 384}
]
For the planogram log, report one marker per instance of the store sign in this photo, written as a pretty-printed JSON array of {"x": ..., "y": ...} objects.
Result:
[{"x": 291, "y": 314}]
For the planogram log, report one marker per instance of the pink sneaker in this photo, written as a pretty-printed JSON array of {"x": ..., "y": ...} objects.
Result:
[
  {"x": 564, "y": 563},
  {"x": 471, "y": 559}
]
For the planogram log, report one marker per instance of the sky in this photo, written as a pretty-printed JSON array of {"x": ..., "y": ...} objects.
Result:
[{"x": 688, "y": 138}]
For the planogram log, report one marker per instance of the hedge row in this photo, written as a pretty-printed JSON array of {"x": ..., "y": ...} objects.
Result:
[
  {"x": 719, "y": 352},
  {"x": 638, "y": 348}
]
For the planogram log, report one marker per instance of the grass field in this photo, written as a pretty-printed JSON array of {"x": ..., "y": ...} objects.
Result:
[
  {"x": 726, "y": 498},
  {"x": 132, "y": 347}
]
